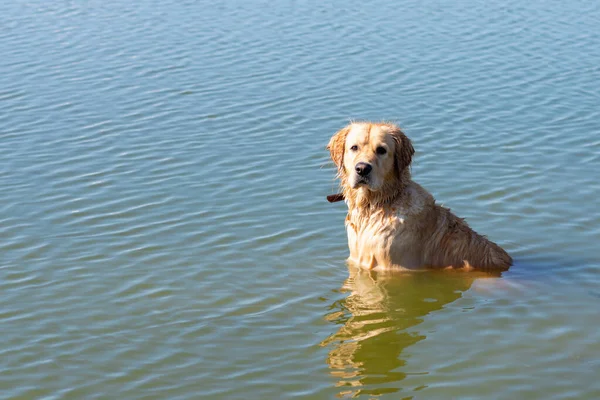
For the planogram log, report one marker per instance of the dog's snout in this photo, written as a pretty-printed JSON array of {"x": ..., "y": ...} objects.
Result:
[{"x": 363, "y": 168}]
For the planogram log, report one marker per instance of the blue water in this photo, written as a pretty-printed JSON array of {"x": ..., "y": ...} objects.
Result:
[{"x": 163, "y": 225}]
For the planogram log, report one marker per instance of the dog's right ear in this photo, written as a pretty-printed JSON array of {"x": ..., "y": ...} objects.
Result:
[{"x": 337, "y": 146}]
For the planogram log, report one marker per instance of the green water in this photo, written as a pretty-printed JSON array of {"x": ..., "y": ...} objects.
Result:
[{"x": 164, "y": 232}]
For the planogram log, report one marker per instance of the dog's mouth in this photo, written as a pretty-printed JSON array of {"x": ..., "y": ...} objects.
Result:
[
  {"x": 368, "y": 182},
  {"x": 361, "y": 181}
]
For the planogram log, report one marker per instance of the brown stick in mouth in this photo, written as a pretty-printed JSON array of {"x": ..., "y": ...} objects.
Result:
[{"x": 332, "y": 198}]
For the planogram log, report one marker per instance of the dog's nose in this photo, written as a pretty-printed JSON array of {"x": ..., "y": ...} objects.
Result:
[{"x": 363, "y": 169}]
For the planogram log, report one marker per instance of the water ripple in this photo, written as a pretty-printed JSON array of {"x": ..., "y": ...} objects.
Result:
[{"x": 163, "y": 228}]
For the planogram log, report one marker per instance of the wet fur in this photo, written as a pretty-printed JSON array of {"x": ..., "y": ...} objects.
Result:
[{"x": 399, "y": 225}]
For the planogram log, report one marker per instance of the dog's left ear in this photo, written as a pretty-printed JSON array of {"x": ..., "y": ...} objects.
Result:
[
  {"x": 337, "y": 146},
  {"x": 404, "y": 150}
]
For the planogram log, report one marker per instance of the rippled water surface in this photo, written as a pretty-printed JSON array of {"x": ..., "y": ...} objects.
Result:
[{"x": 163, "y": 225}]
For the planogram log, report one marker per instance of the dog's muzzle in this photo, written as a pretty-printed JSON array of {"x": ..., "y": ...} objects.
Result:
[
  {"x": 362, "y": 176},
  {"x": 363, "y": 169}
]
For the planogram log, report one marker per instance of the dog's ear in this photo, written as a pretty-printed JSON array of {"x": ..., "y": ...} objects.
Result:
[
  {"x": 404, "y": 150},
  {"x": 337, "y": 146}
]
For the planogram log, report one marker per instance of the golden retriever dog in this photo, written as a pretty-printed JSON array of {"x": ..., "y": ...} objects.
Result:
[{"x": 392, "y": 221}]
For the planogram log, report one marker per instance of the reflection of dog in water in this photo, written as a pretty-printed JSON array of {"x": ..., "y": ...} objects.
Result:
[{"x": 374, "y": 320}]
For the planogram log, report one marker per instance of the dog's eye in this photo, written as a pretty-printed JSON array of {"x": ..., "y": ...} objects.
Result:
[
  {"x": 381, "y": 150},
  {"x": 354, "y": 148}
]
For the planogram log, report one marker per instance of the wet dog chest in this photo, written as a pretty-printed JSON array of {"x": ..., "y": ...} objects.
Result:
[
  {"x": 384, "y": 242},
  {"x": 376, "y": 234}
]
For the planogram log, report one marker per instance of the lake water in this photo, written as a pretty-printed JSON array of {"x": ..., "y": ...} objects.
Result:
[{"x": 164, "y": 232}]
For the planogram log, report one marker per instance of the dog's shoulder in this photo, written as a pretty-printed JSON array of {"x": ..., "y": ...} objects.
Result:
[{"x": 414, "y": 200}]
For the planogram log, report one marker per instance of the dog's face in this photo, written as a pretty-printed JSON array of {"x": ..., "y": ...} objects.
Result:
[{"x": 368, "y": 154}]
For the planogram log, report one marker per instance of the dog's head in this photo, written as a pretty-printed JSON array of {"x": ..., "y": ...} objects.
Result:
[{"x": 368, "y": 154}]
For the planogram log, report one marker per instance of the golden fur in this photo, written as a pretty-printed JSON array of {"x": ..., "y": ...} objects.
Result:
[{"x": 392, "y": 221}]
